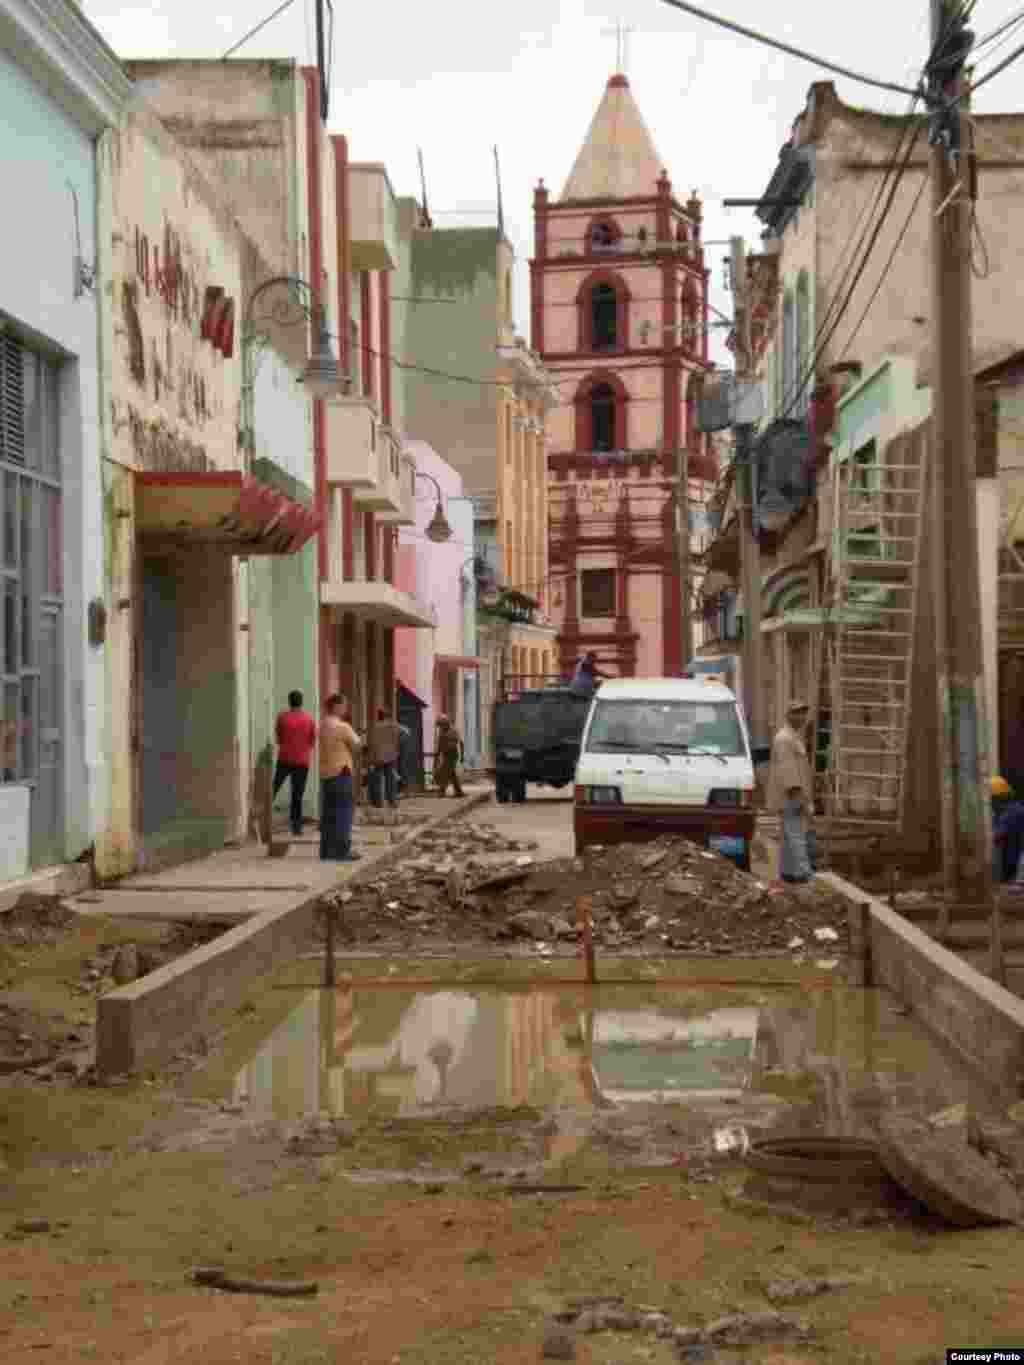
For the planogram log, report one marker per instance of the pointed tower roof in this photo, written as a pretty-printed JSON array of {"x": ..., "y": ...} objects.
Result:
[{"x": 618, "y": 159}]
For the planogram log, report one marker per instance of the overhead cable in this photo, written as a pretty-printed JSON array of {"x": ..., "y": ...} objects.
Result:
[
  {"x": 259, "y": 27},
  {"x": 791, "y": 51}
]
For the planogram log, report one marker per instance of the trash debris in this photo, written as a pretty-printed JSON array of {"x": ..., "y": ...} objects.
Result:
[
  {"x": 826, "y": 935},
  {"x": 217, "y": 1278}
]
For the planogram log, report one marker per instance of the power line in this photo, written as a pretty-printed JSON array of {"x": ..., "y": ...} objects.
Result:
[
  {"x": 996, "y": 70},
  {"x": 787, "y": 48},
  {"x": 887, "y": 267},
  {"x": 259, "y": 27}
]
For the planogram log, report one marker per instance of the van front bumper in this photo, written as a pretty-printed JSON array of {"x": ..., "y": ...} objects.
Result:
[{"x": 599, "y": 824}]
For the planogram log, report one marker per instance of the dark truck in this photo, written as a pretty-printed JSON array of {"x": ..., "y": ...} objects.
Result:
[{"x": 537, "y": 733}]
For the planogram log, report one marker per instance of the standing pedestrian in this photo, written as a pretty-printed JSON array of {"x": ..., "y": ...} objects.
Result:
[
  {"x": 586, "y": 677},
  {"x": 790, "y": 793},
  {"x": 450, "y": 753},
  {"x": 1007, "y": 831},
  {"x": 295, "y": 731},
  {"x": 383, "y": 745},
  {"x": 338, "y": 745}
]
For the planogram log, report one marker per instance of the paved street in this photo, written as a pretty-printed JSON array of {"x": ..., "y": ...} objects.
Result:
[{"x": 545, "y": 816}]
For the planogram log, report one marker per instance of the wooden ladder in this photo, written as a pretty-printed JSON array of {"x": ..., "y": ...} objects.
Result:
[{"x": 878, "y": 514}]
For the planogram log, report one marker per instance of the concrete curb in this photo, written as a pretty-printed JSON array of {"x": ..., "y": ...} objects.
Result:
[
  {"x": 146, "y": 1023},
  {"x": 979, "y": 1019}
]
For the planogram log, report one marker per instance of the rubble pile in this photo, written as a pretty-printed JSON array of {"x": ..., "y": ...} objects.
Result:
[{"x": 469, "y": 882}]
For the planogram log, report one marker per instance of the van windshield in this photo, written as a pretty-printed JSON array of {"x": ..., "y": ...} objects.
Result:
[{"x": 644, "y": 727}]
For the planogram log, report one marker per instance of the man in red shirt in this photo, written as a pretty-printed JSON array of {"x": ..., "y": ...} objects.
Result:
[{"x": 296, "y": 735}]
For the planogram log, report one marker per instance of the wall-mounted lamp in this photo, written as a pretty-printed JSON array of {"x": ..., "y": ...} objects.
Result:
[
  {"x": 321, "y": 376},
  {"x": 438, "y": 529}
]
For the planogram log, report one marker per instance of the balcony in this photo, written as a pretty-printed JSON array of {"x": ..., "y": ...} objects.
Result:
[
  {"x": 384, "y": 496},
  {"x": 374, "y": 222},
  {"x": 377, "y": 601},
  {"x": 353, "y": 440},
  {"x": 406, "y": 515}
]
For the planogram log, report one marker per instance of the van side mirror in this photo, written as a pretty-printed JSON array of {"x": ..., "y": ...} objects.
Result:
[{"x": 760, "y": 753}]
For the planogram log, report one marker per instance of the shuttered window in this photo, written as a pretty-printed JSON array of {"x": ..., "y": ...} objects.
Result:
[
  {"x": 31, "y": 554},
  {"x": 12, "y": 399}
]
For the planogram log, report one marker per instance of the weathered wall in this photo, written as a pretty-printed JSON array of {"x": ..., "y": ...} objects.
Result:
[
  {"x": 45, "y": 152},
  {"x": 851, "y": 153},
  {"x": 243, "y": 124},
  {"x": 461, "y": 264}
]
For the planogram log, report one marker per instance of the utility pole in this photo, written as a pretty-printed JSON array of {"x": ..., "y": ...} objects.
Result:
[
  {"x": 750, "y": 558},
  {"x": 683, "y": 551},
  {"x": 967, "y": 842}
]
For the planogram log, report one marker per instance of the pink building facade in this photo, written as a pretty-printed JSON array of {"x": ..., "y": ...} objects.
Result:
[
  {"x": 439, "y": 665},
  {"x": 619, "y": 317}
]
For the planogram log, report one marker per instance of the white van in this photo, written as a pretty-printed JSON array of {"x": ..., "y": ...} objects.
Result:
[{"x": 665, "y": 756}]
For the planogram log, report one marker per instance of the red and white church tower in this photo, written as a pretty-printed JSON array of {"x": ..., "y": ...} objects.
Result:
[{"x": 619, "y": 317}]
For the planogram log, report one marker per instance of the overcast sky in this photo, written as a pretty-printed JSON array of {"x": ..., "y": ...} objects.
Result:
[{"x": 458, "y": 77}]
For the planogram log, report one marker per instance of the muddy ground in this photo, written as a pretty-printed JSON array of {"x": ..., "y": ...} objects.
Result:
[{"x": 111, "y": 1195}]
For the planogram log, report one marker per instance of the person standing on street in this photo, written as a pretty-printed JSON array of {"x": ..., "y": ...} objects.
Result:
[
  {"x": 790, "y": 793},
  {"x": 586, "y": 677},
  {"x": 450, "y": 753},
  {"x": 1007, "y": 831},
  {"x": 383, "y": 744},
  {"x": 338, "y": 745},
  {"x": 295, "y": 731}
]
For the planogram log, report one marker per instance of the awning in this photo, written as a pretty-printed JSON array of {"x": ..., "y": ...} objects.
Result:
[
  {"x": 222, "y": 508},
  {"x": 457, "y": 661}
]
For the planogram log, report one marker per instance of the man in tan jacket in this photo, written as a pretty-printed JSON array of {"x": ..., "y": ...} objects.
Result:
[{"x": 790, "y": 793}]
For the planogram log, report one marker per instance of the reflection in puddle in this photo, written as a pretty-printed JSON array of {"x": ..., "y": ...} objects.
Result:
[{"x": 825, "y": 1059}]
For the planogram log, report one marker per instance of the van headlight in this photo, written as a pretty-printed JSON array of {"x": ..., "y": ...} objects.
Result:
[
  {"x": 511, "y": 753},
  {"x": 730, "y": 796},
  {"x": 598, "y": 796}
]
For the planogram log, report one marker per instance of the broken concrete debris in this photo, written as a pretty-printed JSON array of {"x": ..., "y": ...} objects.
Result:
[{"x": 468, "y": 881}]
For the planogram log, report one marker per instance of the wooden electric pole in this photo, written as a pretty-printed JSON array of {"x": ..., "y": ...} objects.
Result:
[
  {"x": 750, "y": 558},
  {"x": 967, "y": 842}
]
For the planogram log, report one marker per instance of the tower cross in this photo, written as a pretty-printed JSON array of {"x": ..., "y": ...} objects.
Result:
[{"x": 621, "y": 34}]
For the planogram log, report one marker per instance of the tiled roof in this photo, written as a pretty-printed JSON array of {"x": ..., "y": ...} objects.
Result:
[{"x": 618, "y": 159}]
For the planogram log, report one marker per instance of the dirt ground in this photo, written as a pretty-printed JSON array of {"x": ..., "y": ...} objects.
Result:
[{"x": 110, "y": 1195}]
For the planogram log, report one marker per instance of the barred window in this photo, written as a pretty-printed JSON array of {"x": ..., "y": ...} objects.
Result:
[{"x": 31, "y": 556}]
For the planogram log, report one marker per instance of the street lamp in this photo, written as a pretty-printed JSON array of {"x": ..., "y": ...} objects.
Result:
[
  {"x": 321, "y": 375},
  {"x": 438, "y": 529}
]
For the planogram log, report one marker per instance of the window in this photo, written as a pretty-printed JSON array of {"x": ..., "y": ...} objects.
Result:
[
  {"x": 602, "y": 417},
  {"x": 602, "y": 237},
  {"x": 802, "y": 339},
  {"x": 31, "y": 570},
  {"x": 604, "y": 318},
  {"x": 678, "y": 726},
  {"x": 597, "y": 592},
  {"x": 789, "y": 365},
  {"x": 863, "y": 539}
]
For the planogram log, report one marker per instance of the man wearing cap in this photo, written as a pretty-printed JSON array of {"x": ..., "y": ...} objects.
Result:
[
  {"x": 1007, "y": 831},
  {"x": 790, "y": 793}
]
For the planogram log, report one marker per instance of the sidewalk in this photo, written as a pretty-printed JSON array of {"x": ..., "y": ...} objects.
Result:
[{"x": 235, "y": 884}]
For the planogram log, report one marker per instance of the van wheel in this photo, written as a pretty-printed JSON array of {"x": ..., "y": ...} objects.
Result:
[
  {"x": 521, "y": 792},
  {"x": 501, "y": 793}
]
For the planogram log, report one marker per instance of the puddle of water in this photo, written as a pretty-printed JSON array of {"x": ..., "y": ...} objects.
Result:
[{"x": 737, "y": 1062}]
